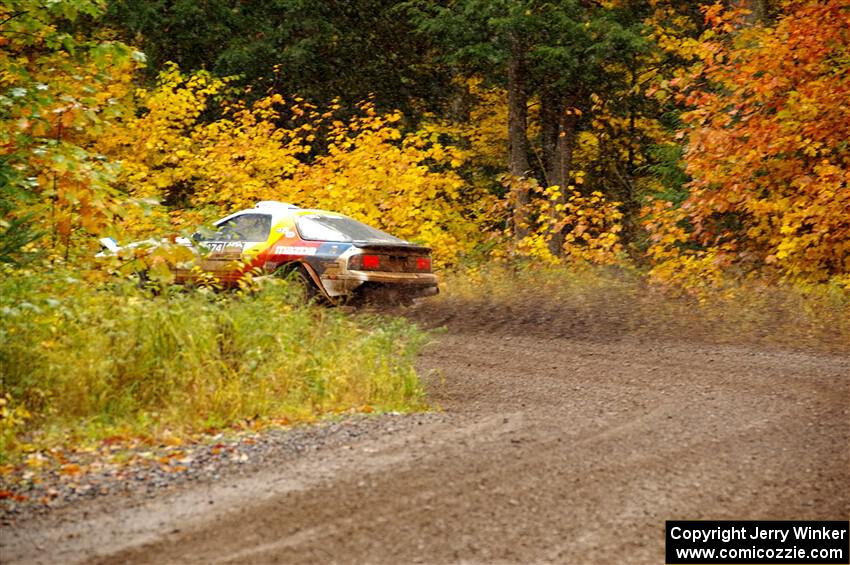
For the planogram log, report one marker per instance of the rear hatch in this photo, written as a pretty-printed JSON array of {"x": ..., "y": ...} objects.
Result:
[{"x": 391, "y": 257}]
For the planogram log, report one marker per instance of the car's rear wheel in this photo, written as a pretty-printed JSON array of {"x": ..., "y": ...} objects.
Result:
[{"x": 298, "y": 275}]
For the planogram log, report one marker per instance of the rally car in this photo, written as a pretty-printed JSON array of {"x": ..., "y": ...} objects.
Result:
[{"x": 332, "y": 255}]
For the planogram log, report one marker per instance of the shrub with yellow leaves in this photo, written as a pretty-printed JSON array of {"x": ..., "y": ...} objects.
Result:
[
  {"x": 592, "y": 226},
  {"x": 675, "y": 263},
  {"x": 369, "y": 169},
  {"x": 404, "y": 183},
  {"x": 13, "y": 417}
]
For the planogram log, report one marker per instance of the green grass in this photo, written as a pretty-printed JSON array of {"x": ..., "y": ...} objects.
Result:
[{"x": 86, "y": 362}]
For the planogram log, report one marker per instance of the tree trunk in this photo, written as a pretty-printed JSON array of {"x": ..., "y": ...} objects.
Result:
[
  {"x": 558, "y": 129},
  {"x": 518, "y": 138},
  {"x": 460, "y": 100},
  {"x": 551, "y": 107}
]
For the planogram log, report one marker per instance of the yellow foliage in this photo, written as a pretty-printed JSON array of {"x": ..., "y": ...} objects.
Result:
[
  {"x": 408, "y": 188},
  {"x": 592, "y": 226},
  {"x": 402, "y": 182},
  {"x": 695, "y": 271},
  {"x": 56, "y": 101},
  {"x": 536, "y": 246},
  {"x": 485, "y": 130},
  {"x": 13, "y": 418}
]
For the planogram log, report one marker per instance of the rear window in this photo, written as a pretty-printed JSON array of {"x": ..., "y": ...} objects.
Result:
[{"x": 340, "y": 228}]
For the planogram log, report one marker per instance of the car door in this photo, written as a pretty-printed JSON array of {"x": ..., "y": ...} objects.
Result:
[{"x": 236, "y": 241}]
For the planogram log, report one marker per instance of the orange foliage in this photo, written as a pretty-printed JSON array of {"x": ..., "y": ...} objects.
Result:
[{"x": 768, "y": 150}]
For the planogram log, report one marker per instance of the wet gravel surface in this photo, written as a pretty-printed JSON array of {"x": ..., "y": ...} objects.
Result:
[{"x": 150, "y": 470}]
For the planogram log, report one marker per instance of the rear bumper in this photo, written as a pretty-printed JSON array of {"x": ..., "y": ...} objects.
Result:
[
  {"x": 409, "y": 284},
  {"x": 417, "y": 279}
]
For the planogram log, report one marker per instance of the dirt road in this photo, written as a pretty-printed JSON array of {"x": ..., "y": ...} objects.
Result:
[{"x": 548, "y": 449}]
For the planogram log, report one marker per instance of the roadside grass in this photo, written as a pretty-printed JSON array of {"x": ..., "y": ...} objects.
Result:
[
  {"x": 610, "y": 302},
  {"x": 82, "y": 362}
]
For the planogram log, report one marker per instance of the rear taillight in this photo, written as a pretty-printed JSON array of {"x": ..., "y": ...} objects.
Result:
[
  {"x": 365, "y": 262},
  {"x": 390, "y": 263}
]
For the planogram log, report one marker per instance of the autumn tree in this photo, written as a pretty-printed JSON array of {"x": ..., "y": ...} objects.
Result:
[
  {"x": 558, "y": 55},
  {"x": 767, "y": 150},
  {"x": 58, "y": 89}
]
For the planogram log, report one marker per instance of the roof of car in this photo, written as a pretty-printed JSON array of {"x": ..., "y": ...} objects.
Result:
[{"x": 279, "y": 211}]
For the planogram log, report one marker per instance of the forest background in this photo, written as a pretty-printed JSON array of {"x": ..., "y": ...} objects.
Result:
[{"x": 702, "y": 148}]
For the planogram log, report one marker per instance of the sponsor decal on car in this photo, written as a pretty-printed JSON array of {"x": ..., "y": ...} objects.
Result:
[{"x": 294, "y": 250}]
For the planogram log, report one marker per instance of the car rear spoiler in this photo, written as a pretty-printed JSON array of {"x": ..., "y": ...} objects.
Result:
[{"x": 390, "y": 247}]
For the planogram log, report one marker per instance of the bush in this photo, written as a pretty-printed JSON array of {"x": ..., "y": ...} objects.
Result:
[{"x": 82, "y": 360}]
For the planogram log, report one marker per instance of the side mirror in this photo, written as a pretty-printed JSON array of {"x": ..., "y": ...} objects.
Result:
[{"x": 197, "y": 236}]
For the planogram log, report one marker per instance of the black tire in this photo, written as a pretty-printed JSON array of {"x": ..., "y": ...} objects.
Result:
[{"x": 298, "y": 275}]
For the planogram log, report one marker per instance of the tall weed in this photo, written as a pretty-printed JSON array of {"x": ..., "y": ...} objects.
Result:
[{"x": 80, "y": 360}]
